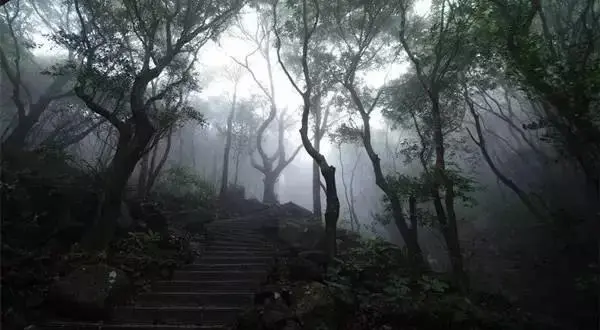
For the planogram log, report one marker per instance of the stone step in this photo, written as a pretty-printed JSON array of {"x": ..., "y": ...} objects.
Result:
[
  {"x": 245, "y": 285},
  {"x": 125, "y": 326},
  {"x": 200, "y": 266},
  {"x": 241, "y": 239},
  {"x": 241, "y": 248},
  {"x": 237, "y": 299},
  {"x": 234, "y": 231},
  {"x": 224, "y": 253},
  {"x": 186, "y": 275},
  {"x": 206, "y": 315},
  {"x": 230, "y": 244},
  {"x": 208, "y": 259}
]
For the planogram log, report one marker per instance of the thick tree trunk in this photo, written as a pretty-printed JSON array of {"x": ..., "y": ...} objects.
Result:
[
  {"x": 269, "y": 196},
  {"x": 17, "y": 138},
  {"x": 129, "y": 151}
]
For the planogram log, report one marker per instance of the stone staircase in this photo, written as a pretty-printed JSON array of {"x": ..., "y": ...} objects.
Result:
[{"x": 207, "y": 294}]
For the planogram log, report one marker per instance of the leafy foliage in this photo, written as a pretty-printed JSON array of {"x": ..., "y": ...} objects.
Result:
[
  {"x": 184, "y": 185},
  {"x": 374, "y": 281}
]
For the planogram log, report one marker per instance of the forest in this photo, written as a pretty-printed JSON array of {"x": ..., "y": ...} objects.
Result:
[{"x": 407, "y": 164}]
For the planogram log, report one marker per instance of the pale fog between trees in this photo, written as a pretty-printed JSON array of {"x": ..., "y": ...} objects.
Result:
[{"x": 408, "y": 101}]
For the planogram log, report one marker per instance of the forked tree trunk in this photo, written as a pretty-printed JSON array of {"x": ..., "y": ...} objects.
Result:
[
  {"x": 332, "y": 210},
  {"x": 132, "y": 142}
]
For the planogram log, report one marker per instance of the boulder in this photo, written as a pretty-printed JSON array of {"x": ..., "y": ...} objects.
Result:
[
  {"x": 296, "y": 211},
  {"x": 89, "y": 292},
  {"x": 301, "y": 235},
  {"x": 319, "y": 257},
  {"x": 305, "y": 270},
  {"x": 315, "y": 306},
  {"x": 272, "y": 311}
]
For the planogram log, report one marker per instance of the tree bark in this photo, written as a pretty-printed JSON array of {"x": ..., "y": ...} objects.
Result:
[
  {"x": 143, "y": 176},
  {"x": 410, "y": 239},
  {"x": 133, "y": 140},
  {"x": 227, "y": 149},
  {"x": 238, "y": 155},
  {"x": 316, "y": 184},
  {"x": 155, "y": 170},
  {"x": 269, "y": 196},
  {"x": 332, "y": 209},
  {"x": 446, "y": 217}
]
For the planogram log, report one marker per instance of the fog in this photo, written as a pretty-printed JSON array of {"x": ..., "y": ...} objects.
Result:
[{"x": 239, "y": 84}]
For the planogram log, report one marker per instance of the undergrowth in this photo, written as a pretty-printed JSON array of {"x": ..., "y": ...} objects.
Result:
[
  {"x": 374, "y": 287},
  {"x": 47, "y": 203}
]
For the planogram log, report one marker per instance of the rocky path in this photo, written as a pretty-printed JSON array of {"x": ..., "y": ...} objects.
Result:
[{"x": 207, "y": 294}]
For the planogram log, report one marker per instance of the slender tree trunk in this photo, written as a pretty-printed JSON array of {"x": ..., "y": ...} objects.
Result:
[
  {"x": 352, "y": 196},
  {"x": 181, "y": 146},
  {"x": 332, "y": 209},
  {"x": 227, "y": 149},
  {"x": 316, "y": 182},
  {"x": 155, "y": 171},
  {"x": 447, "y": 217},
  {"x": 238, "y": 155},
  {"x": 412, "y": 244},
  {"x": 346, "y": 190},
  {"x": 193, "y": 151}
]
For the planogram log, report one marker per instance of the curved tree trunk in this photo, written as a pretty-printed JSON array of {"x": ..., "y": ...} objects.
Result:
[
  {"x": 130, "y": 148},
  {"x": 332, "y": 210},
  {"x": 316, "y": 184}
]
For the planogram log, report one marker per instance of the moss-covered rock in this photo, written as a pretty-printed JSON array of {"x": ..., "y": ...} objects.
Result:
[{"x": 90, "y": 291}]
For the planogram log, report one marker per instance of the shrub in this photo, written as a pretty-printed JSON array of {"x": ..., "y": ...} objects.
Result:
[
  {"x": 374, "y": 285},
  {"x": 183, "y": 187}
]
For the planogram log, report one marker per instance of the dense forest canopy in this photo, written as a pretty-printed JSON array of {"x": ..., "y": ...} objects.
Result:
[{"x": 465, "y": 131}]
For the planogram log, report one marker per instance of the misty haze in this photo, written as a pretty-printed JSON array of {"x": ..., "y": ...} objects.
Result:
[{"x": 300, "y": 164}]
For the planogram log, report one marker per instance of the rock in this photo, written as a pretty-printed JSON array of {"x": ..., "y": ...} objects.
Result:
[
  {"x": 315, "y": 306},
  {"x": 155, "y": 220},
  {"x": 317, "y": 256},
  {"x": 89, "y": 292},
  {"x": 276, "y": 314},
  {"x": 301, "y": 235},
  {"x": 272, "y": 311},
  {"x": 249, "y": 319},
  {"x": 295, "y": 210},
  {"x": 305, "y": 270}
]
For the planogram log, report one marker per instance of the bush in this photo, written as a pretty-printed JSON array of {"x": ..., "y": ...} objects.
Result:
[
  {"x": 181, "y": 187},
  {"x": 376, "y": 288}
]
